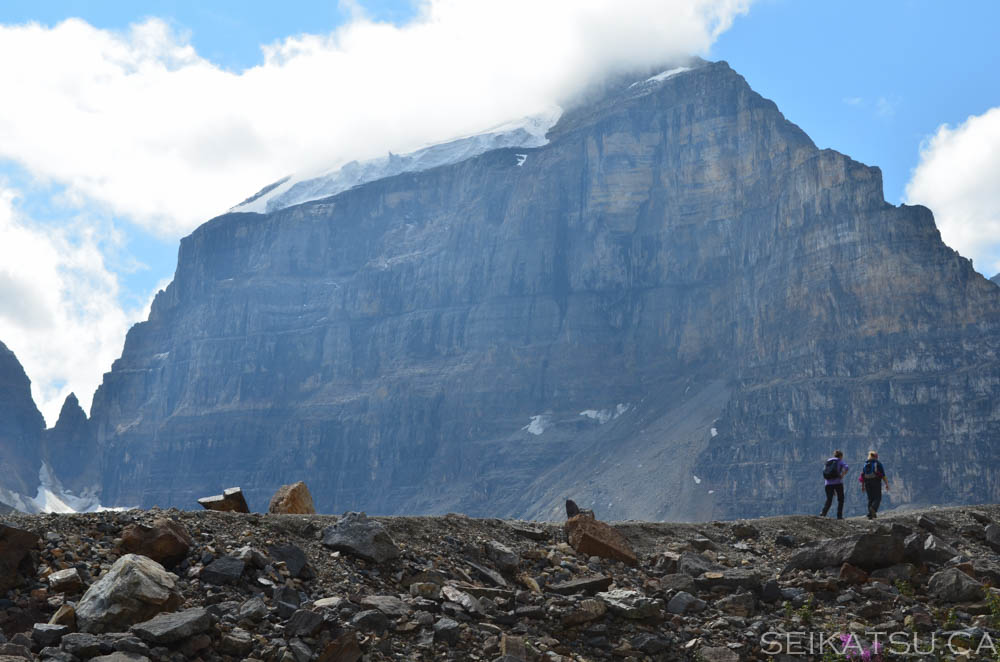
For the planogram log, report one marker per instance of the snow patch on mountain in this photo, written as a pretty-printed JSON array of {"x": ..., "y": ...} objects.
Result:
[
  {"x": 293, "y": 190},
  {"x": 52, "y": 497}
]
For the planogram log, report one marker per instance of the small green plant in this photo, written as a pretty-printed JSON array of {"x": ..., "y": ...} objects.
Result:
[
  {"x": 993, "y": 600},
  {"x": 788, "y": 610},
  {"x": 950, "y": 620},
  {"x": 905, "y": 588},
  {"x": 806, "y": 611}
]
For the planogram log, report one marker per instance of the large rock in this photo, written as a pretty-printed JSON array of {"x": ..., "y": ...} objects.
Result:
[
  {"x": 293, "y": 499},
  {"x": 359, "y": 535},
  {"x": 18, "y": 558},
  {"x": 865, "y": 551},
  {"x": 171, "y": 628},
  {"x": 936, "y": 550},
  {"x": 992, "y": 533},
  {"x": 953, "y": 585},
  {"x": 223, "y": 570},
  {"x": 21, "y": 431},
  {"x": 166, "y": 541},
  {"x": 231, "y": 500},
  {"x": 595, "y": 538},
  {"x": 135, "y": 589}
]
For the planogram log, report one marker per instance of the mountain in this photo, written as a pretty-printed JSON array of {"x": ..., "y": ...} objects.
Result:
[
  {"x": 21, "y": 426},
  {"x": 676, "y": 307}
]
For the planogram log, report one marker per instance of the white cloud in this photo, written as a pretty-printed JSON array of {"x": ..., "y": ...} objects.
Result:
[
  {"x": 957, "y": 179},
  {"x": 59, "y": 310},
  {"x": 139, "y": 123}
]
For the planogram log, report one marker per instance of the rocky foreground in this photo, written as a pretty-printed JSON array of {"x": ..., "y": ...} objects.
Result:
[{"x": 174, "y": 585}]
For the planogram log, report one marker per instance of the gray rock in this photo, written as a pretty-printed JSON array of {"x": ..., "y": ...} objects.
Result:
[
  {"x": 223, "y": 570},
  {"x": 739, "y": 604},
  {"x": 504, "y": 557},
  {"x": 586, "y": 585},
  {"x": 446, "y": 630},
  {"x": 677, "y": 582},
  {"x": 171, "y": 628},
  {"x": 862, "y": 550},
  {"x": 387, "y": 604},
  {"x": 121, "y": 657},
  {"x": 293, "y": 557},
  {"x": 696, "y": 564},
  {"x": 358, "y": 535},
  {"x": 992, "y": 533},
  {"x": 81, "y": 644},
  {"x": 683, "y": 602},
  {"x": 629, "y": 604},
  {"x": 303, "y": 623},
  {"x": 937, "y": 551},
  {"x": 237, "y": 643},
  {"x": 65, "y": 581},
  {"x": 370, "y": 620},
  {"x": 253, "y": 609},
  {"x": 48, "y": 635},
  {"x": 135, "y": 589},
  {"x": 953, "y": 585}
]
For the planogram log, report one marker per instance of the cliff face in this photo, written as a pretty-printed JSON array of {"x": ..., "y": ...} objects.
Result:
[
  {"x": 21, "y": 427},
  {"x": 673, "y": 309}
]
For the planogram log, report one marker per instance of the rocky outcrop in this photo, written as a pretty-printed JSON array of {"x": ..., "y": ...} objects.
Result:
[
  {"x": 21, "y": 427},
  {"x": 70, "y": 448},
  {"x": 430, "y": 602},
  {"x": 674, "y": 309}
]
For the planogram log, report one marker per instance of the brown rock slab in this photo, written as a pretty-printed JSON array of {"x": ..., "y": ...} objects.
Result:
[
  {"x": 230, "y": 500},
  {"x": 166, "y": 541},
  {"x": 344, "y": 648},
  {"x": 852, "y": 574},
  {"x": 293, "y": 499},
  {"x": 16, "y": 559},
  {"x": 595, "y": 538},
  {"x": 65, "y": 581}
]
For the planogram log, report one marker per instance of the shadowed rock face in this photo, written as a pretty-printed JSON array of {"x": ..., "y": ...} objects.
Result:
[
  {"x": 675, "y": 309},
  {"x": 21, "y": 427}
]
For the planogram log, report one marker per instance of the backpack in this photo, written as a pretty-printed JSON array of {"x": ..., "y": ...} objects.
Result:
[
  {"x": 831, "y": 469},
  {"x": 872, "y": 470}
]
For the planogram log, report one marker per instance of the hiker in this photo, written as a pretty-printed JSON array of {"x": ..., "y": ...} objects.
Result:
[
  {"x": 833, "y": 473},
  {"x": 871, "y": 479}
]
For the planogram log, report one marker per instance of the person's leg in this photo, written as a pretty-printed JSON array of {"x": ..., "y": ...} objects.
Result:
[
  {"x": 840, "y": 500},
  {"x": 870, "y": 488},
  {"x": 876, "y": 496},
  {"x": 829, "y": 500}
]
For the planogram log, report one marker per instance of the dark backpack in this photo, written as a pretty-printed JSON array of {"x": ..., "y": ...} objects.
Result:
[
  {"x": 831, "y": 469},
  {"x": 872, "y": 470}
]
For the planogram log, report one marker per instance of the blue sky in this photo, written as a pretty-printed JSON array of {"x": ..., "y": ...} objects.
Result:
[{"x": 125, "y": 129}]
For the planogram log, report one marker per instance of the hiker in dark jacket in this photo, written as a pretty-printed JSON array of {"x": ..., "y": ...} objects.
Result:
[
  {"x": 833, "y": 474},
  {"x": 871, "y": 478}
]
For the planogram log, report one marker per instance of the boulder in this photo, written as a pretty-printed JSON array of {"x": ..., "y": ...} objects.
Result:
[
  {"x": 992, "y": 533},
  {"x": 587, "y": 585},
  {"x": 361, "y": 536},
  {"x": 17, "y": 560},
  {"x": 584, "y": 612},
  {"x": 135, "y": 589},
  {"x": 165, "y": 629},
  {"x": 866, "y": 551},
  {"x": 505, "y": 559},
  {"x": 65, "y": 615},
  {"x": 695, "y": 565},
  {"x": 45, "y": 634},
  {"x": 223, "y": 570},
  {"x": 293, "y": 557},
  {"x": 230, "y": 500},
  {"x": 293, "y": 499},
  {"x": 745, "y": 531},
  {"x": 592, "y": 537},
  {"x": 736, "y": 578},
  {"x": 850, "y": 574},
  {"x": 953, "y": 585},
  {"x": 936, "y": 551},
  {"x": 739, "y": 604},
  {"x": 65, "y": 581},
  {"x": 303, "y": 623},
  {"x": 166, "y": 541},
  {"x": 344, "y": 648},
  {"x": 630, "y": 604},
  {"x": 683, "y": 602}
]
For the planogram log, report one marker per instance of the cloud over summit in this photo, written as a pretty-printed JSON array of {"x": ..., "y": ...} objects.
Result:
[{"x": 139, "y": 123}]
